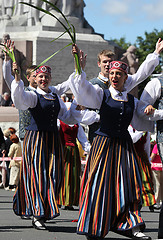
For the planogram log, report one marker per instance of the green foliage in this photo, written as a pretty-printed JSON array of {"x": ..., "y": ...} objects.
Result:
[
  {"x": 9, "y": 52},
  {"x": 147, "y": 45},
  {"x": 122, "y": 42}
]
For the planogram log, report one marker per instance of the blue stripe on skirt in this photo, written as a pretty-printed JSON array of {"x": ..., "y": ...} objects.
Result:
[
  {"x": 40, "y": 177},
  {"x": 110, "y": 189},
  {"x": 70, "y": 189}
]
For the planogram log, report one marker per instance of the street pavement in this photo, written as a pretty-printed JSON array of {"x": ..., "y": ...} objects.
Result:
[{"x": 13, "y": 227}]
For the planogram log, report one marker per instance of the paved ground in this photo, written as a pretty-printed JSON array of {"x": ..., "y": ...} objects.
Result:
[{"x": 61, "y": 228}]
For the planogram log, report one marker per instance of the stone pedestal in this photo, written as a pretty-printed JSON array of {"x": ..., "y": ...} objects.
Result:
[
  {"x": 9, "y": 117},
  {"x": 41, "y": 46}
]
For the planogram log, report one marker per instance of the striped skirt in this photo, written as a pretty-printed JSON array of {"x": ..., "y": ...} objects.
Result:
[
  {"x": 69, "y": 194},
  {"x": 110, "y": 189},
  {"x": 40, "y": 176},
  {"x": 148, "y": 196}
]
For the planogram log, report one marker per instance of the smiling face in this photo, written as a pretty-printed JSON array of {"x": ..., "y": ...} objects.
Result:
[
  {"x": 104, "y": 65},
  {"x": 117, "y": 79},
  {"x": 43, "y": 81}
]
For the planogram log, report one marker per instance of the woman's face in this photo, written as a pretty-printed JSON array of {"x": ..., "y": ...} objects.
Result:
[
  {"x": 117, "y": 79},
  {"x": 43, "y": 81}
]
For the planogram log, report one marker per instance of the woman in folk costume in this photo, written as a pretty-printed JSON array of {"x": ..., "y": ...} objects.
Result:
[
  {"x": 42, "y": 166},
  {"x": 111, "y": 186},
  {"x": 69, "y": 194},
  {"x": 141, "y": 142}
]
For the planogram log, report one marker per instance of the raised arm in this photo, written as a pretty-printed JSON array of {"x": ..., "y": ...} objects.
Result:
[
  {"x": 85, "y": 93},
  {"x": 21, "y": 99},
  {"x": 146, "y": 68},
  {"x": 6, "y": 68}
]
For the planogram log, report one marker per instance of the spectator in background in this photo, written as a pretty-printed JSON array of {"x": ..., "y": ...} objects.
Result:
[
  {"x": 6, "y": 100},
  {"x": 156, "y": 166},
  {"x": 2, "y": 143},
  {"x": 12, "y": 130},
  {"x": 8, "y": 143},
  {"x": 2, "y": 152},
  {"x": 14, "y": 151},
  {"x": 70, "y": 188}
]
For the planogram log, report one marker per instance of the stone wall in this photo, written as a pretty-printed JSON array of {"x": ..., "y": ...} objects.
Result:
[{"x": 9, "y": 117}]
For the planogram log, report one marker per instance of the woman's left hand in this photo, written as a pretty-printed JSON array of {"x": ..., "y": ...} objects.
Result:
[{"x": 149, "y": 110}]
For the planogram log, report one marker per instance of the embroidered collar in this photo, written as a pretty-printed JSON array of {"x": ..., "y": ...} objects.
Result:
[
  {"x": 49, "y": 95},
  {"x": 120, "y": 96}
]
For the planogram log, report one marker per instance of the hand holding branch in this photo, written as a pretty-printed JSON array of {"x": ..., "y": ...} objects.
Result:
[
  {"x": 16, "y": 71},
  {"x": 80, "y": 53}
]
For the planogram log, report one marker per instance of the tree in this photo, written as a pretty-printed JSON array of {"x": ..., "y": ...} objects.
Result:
[
  {"x": 146, "y": 46},
  {"x": 122, "y": 43}
]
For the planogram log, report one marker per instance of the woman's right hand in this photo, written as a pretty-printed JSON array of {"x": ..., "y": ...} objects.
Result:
[{"x": 16, "y": 71}]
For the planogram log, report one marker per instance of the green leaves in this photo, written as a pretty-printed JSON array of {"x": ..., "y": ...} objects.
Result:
[
  {"x": 68, "y": 28},
  {"x": 9, "y": 52},
  {"x": 47, "y": 59}
]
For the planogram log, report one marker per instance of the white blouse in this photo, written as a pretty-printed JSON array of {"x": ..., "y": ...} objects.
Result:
[
  {"x": 58, "y": 89},
  {"x": 28, "y": 99},
  {"x": 91, "y": 96}
]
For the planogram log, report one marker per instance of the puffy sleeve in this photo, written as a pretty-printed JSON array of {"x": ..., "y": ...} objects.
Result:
[
  {"x": 140, "y": 107},
  {"x": 22, "y": 99},
  {"x": 69, "y": 116},
  {"x": 143, "y": 122},
  {"x": 135, "y": 135},
  {"x": 85, "y": 93},
  {"x": 83, "y": 139},
  {"x": 86, "y": 116},
  {"x": 152, "y": 91},
  {"x": 61, "y": 88},
  {"x": 8, "y": 77},
  {"x": 144, "y": 71}
]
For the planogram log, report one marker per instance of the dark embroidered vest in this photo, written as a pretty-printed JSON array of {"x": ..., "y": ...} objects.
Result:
[
  {"x": 95, "y": 126},
  {"x": 115, "y": 116},
  {"x": 44, "y": 115}
]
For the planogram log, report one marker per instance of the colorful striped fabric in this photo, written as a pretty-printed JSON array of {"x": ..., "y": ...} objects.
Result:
[
  {"x": 110, "y": 189},
  {"x": 69, "y": 194},
  {"x": 148, "y": 196},
  {"x": 41, "y": 175}
]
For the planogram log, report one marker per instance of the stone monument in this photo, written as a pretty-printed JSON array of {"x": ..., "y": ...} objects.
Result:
[
  {"x": 33, "y": 32},
  {"x": 131, "y": 59}
]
